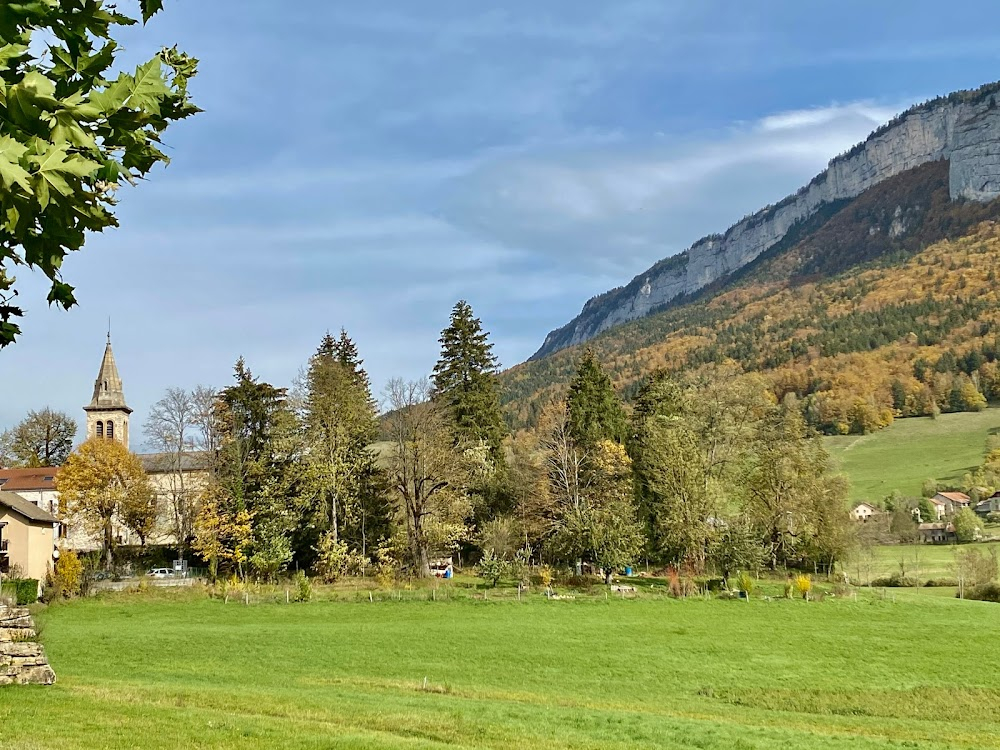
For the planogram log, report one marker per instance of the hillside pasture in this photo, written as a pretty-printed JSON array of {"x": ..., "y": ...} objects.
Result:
[
  {"x": 184, "y": 671},
  {"x": 911, "y": 450}
]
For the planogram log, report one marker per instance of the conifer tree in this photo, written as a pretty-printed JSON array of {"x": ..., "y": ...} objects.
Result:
[
  {"x": 595, "y": 411},
  {"x": 338, "y": 471},
  {"x": 465, "y": 382}
]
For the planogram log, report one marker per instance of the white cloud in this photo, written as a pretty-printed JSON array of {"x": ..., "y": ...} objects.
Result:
[{"x": 631, "y": 205}]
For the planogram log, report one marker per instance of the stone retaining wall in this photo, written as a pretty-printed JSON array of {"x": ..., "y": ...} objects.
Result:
[{"x": 22, "y": 660}]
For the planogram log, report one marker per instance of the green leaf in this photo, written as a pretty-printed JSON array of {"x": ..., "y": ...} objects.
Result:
[
  {"x": 150, "y": 8},
  {"x": 149, "y": 86},
  {"x": 11, "y": 171}
]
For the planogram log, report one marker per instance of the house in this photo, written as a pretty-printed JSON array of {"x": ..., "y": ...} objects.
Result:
[
  {"x": 863, "y": 511},
  {"x": 29, "y": 536},
  {"x": 950, "y": 502},
  {"x": 936, "y": 533},
  {"x": 37, "y": 486},
  {"x": 989, "y": 505}
]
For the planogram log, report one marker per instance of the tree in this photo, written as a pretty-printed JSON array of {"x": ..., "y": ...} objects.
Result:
[
  {"x": 968, "y": 527},
  {"x": 426, "y": 471},
  {"x": 172, "y": 429},
  {"x": 104, "y": 485},
  {"x": 257, "y": 445},
  {"x": 595, "y": 411},
  {"x": 593, "y": 513},
  {"x": 786, "y": 485},
  {"x": 465, "y": 382},
  {"x": 71, "y": 131},
  {"x": 43, "y": 438},
  {"x": 340, "y": 422}
]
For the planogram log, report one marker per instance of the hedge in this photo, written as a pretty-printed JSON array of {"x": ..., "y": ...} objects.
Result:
[{"x": 21, "y": 590}]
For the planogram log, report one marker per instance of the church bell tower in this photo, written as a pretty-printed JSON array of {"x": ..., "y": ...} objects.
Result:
[{"x": 107, "y": 413}]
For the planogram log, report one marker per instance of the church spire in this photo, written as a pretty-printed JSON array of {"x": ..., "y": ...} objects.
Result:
[{"x": 108, "y": 390}]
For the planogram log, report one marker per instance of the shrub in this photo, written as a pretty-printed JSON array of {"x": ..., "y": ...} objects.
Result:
[
  {"x": 993, "y": 517},
  {"x": 745, "y": 582},
  {"x": 674, "y": 579},
  {"x": 22, "y": 590},
  {"x": 491, "y": 568},
  {"x": 803, "y": 585},
  {"x": 545, "y": 576},
  {"x": 940, "y": 583},
  {"x": 984, "y": 592},
  {"x": 332, "y": 558},
  {"x": 303, "y": 587},
  {"x": 66, "y": 578},
  {"x": 895, "y": 581}
]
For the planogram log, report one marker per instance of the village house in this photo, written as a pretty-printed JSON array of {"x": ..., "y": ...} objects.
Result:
[
  {"x": 949, "y": 503},
  {"x": 989, "y": 505},
  {"x": 37, "y": 486},
  {"x": 937, "y": 533},
  {"x": 863, "y": 512},
  {"x": 28, "y": 537}
]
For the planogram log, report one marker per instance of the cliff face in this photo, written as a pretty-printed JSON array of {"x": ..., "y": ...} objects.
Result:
[{"x": 963, "y": 128}]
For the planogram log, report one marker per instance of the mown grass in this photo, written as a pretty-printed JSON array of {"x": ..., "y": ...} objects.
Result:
[
  {"x": 924, "y": 561},
  {"x": 181, "y": 670},
  {"x": 902, "y": 456}
]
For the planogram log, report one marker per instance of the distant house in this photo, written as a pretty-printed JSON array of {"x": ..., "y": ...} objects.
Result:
[
  {"x": 936, "y": 533},
  {"x": 989, "y": 505},
  {"x": 28, "y": 537},
  {"x": 863, "y": 511},
  {"x": 951, "y": 502}
]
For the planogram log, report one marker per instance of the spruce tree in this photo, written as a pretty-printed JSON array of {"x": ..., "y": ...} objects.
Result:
[
  {"x": 340, "y": 423},
  {"x": 595, "y": 411},
  {"x": 465, "y": 382}
]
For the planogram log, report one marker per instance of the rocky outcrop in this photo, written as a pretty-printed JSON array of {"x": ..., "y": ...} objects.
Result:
[
  {"x": 22, "y": 660},
  {"x": 963, "y": 128}
]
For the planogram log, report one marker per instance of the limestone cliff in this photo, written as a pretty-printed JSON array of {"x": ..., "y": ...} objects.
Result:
[{"x": 963, "y": 128}]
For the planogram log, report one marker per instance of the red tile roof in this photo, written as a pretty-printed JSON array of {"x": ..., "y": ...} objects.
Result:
[
  {"x": 12, "y": 480},
  {"x": 955, "y": 497}
]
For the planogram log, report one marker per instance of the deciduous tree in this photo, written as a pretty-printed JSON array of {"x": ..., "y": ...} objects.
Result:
[
  {"x": 427, "y": 472},
  {"x": 103, "y": 485},
  {"x": 71, "y": 130},
  {"x": 43, "y": 438}
]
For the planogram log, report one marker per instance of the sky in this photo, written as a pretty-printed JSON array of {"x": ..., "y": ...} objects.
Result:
[{"x": 366, "y": 165}]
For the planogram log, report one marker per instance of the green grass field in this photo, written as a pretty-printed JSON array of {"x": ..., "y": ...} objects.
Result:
[
  {"x": 912, "y": 450},
  {"x": 650, "y": 673},
  {"x": 925, "y": 561}
]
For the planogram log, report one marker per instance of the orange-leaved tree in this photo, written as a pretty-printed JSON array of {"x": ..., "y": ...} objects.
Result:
[{"x": 103, "y": 485}]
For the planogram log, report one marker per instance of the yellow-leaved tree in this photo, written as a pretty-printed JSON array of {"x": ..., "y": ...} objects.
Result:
[{"x": 103, "y": 485}]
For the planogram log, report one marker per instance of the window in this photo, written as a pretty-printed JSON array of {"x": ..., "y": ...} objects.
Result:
[
  {"x": 111, "y": 430},
  {"x": 105, "y": 385},
  {"x": 100, "y": 429}
]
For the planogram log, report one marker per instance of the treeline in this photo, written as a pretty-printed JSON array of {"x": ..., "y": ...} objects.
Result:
[{"x": 708, "y": 477}]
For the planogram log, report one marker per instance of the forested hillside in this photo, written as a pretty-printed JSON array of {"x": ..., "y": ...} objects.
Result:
[{"x": 876, "y": 308}]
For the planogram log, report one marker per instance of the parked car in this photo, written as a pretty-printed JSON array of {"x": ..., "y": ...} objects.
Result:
[{"x": 161, "y": 573}]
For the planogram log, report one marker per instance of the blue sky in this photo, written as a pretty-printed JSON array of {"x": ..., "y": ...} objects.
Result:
[{"x": 367, "y": 164}]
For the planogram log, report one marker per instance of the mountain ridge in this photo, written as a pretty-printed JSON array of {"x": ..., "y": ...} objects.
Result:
[{"x": 962, "y": 127}]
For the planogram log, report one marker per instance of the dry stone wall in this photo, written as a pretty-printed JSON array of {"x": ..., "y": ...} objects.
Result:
[
  {"x": 22, "y": 659},
  {"x": 965, "y": 129}
]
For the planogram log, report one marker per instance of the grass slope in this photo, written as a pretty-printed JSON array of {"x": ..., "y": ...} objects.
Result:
[
  {"x": 539, "y": 674},
  {"x": 902, "y": 456}
]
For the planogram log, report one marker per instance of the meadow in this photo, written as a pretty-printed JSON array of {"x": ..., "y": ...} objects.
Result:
[
  {"x": 911, "y": 450},
  {"x": 183, "y": 670}
]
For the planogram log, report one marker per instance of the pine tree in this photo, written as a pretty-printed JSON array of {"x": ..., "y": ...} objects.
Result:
[
  {"x": 595, "y": 411},
  {"x": 465, "y": 382}
]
